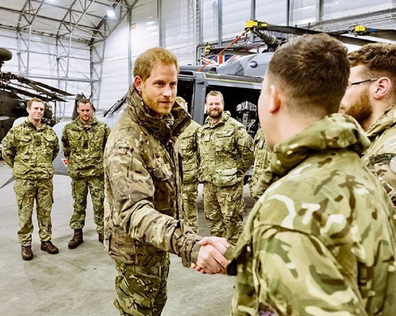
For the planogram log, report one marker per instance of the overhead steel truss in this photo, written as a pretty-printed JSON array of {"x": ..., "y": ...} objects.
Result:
[{"x": 68, "y": 30}]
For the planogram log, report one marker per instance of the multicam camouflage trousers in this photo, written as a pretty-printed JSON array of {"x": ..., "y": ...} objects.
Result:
[
  {"x": 224, "y": 209},
  {"x": 190, "y": 209},
  {"x": 79, "y": 192},
  {"x": 26, "y": 192},
  {"x": 141, "y": 291}
]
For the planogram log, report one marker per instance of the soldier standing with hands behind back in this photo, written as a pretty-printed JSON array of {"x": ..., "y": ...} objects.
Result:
[
  {"x": 29, "y": 150},
  {"x": 226, "y": 153},
  {"x": 83, "y": 142}
]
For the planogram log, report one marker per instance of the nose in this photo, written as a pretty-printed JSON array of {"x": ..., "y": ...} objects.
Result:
[{"x": 167, "y": 92}]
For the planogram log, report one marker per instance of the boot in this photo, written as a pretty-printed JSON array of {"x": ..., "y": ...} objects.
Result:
[
  {"x": 26, "y": 252},
  {"x": 49, "y": 247},
  {"x": 100, "y": 237},
  {"x": 77, "y": 239}
]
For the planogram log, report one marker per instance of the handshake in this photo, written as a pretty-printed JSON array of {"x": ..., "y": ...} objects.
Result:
[{"x": 211, "y": 258}]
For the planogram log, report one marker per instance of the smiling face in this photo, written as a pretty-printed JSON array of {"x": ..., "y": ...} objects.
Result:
[
  {"x": 160, "y": 88},
  {"x": 356, "y": 101},
  {"x": 36, "y": 112},
  {"x": 214, "y": 106}
]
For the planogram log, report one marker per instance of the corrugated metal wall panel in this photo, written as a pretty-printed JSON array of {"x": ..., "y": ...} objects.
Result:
[
  {"x": 344, "y": 8},
  {"x": 272, "y": 11},
  {"x": 178, "y": 32},
  {"x": 115, "y": 67}
]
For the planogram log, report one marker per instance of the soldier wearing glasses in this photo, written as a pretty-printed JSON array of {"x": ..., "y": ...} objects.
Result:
[
  {"x": 371, "y": 99},
  {"x": 29, "y": 150}
]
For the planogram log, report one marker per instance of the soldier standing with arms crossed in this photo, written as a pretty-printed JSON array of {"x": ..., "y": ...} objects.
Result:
[
  {"x": 226, "y": 153},
  {"x": 83, "y": 142},
  {"x": 188, "y": 142},
  {"x": 29, "y": 150},
  {"x": 143, "y": 191}
]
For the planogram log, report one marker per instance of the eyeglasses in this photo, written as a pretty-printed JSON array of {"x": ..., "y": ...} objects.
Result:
[{"x": 359, "y": 82}]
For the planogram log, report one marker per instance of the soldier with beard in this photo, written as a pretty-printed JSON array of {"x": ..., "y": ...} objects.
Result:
[
  {"x": 371, "y": 99},
  {"x": 226, "y": 153},
  {"x": 143, "y": 201}
]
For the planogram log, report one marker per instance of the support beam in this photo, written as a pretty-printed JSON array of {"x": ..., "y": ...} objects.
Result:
[{"x": 219, "y": 21}]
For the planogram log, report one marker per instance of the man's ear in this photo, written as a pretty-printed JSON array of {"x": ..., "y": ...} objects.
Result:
[
  {"x": 382, "y": 87},
  {"x": 138, "y": 83},
  {"x": 275, "y": 102}
]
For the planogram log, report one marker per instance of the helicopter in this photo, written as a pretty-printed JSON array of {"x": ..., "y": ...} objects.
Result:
[
  {"x": 14, "y": 90},
  {"x": 238, "y": 79}
]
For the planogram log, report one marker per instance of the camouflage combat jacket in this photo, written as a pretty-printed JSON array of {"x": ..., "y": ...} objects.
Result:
[
  {"x": 382, "y": 150},
  {"x": 83, "y": 145},
  {"x": 143, "y": 187},
  {"x": 188, "y": 144},
  {"x": 225, "y": 150},
  {"x": 262, "y": 158},
  {"x": 320, "y": 241},
  {"x": 29, "y": 151}
]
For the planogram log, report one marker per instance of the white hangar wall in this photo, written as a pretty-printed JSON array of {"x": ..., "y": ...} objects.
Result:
[
  {"x": 175, "y": 24},
  {"x": 180, "y": 25}
]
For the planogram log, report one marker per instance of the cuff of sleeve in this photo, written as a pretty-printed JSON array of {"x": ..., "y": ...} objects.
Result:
[{"x": 195, "y": 252}]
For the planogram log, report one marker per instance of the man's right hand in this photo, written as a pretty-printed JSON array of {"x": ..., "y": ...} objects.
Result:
[{"x": 211, "y": 258}]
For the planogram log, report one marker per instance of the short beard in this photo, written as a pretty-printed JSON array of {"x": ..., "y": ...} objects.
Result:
[
  {"x": 361, "y": 110},
  {"x": 217, "y": 115}
]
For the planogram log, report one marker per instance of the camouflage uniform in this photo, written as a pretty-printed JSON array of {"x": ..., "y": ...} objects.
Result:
[
  {"x": 382, "y": 152},
  {"x": 142, "y": 206},
  {"x": 321, "y": 240},
  {"x": 83, "y": 145},
  {"x": 188, "y": 143},
  {"x": 262, "y": 157},
  {"x": 226, "y": 153},
  {"x": 29, "y": 151}
]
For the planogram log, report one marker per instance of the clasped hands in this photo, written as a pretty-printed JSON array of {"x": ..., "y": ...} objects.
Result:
[{"x": 211, "y": 258}]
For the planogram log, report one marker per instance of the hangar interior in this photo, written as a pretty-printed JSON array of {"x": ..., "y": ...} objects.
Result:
[{"x": 89, "y": 47}]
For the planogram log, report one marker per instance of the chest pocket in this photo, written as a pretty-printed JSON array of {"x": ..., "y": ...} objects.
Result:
[
  {"x": 24, "y": 144},
  {"x": 224, "y": 140},
  {"x": 188, "y": 144},
  {"x": 48, "y": 144},
  {"x": 74, "y": 139}
]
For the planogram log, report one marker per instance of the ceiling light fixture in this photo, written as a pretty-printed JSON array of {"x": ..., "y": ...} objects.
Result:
[{"x": 110, "y": 13}]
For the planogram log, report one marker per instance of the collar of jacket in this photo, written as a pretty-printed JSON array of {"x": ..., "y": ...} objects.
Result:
[
  {"x": 387, "y": 120},
  {"x": 30, "y": 125},
  {"x": 91, "y": 122},
  {"x": 168, "y": 127},
  {"x": 333, "y": 132},
  {"x": 226, "y": 116}
]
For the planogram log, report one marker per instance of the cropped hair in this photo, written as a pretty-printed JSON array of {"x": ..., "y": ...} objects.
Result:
[
  {"x": 215, "y": 94},
  {"x": 84, "y": 101},
  {"x": 145, "y": 62},
  {"x": 378, "y": 59},
  {"x": 313, "y": 71},
  {"x": 30, "y": 102}
]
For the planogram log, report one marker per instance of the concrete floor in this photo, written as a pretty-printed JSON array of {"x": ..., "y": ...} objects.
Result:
[{"x": 81, "y": 281}]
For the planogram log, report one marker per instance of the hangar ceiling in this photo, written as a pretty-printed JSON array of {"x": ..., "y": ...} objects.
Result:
[{"x": 86, "y": 21}]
